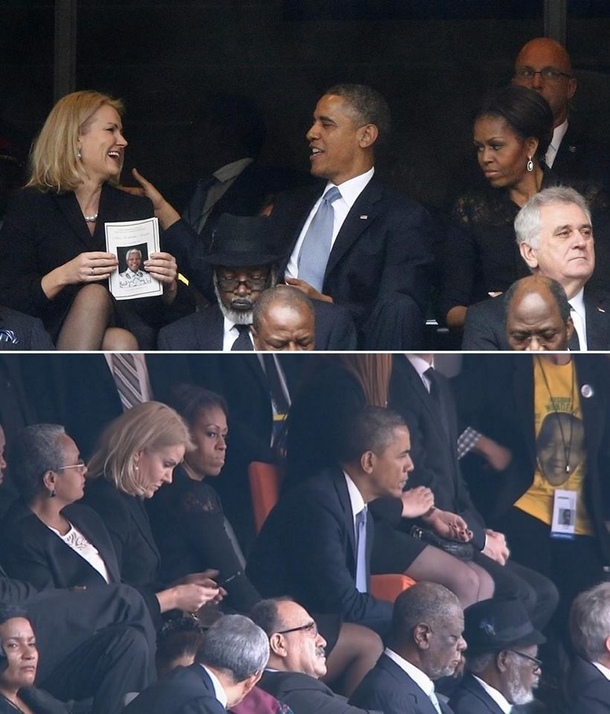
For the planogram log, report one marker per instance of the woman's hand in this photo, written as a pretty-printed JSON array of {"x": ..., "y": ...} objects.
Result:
[
  {"x": 164, "y": 211},
  {"x": 448, "y": 525},
  {"x": 189, "y": 597},
  {"x": 164, "y": 268},
  {"x": 89, "y": 267},
  {"x": 416, "y": 502}
]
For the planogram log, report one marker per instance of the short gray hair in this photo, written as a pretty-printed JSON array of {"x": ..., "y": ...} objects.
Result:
[
  {"x": 422, "y": 602},
  {"x": 34, "y": 451},
  {"x": 590, "y": 622},
  {"x": 236, "y": 646},
  {"x": 527, "y": 222},
  {"x": 132, "y": 251}
]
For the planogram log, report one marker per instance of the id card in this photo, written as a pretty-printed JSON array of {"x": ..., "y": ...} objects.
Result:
[{"x": 564, "y": 514}]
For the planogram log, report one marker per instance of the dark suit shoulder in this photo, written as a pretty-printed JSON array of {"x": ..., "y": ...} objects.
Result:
[
  {"x": 588, "y": 689},
  {"x": 485, "y": 325}
]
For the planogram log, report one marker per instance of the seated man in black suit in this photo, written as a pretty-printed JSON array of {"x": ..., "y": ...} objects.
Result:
[
  {"x": 316, "y": 543},
  {"x": 244, "y": 265},
  {"x": 227, "y": 666},
  {"x": 296, "y": 662},
  {"x": 93, "y": 643},
  {"x": 283, "y": 319},
  {"x": 556, "y": 240},
  {"x": 537, "y": 315},
  {"x": 19, "y": 331},
  {"x": 350, "y": 240},
  {"x": 589, "y": 683},
  {"x": 501, "y": 659},
  {"x": 425, "y": 644}
]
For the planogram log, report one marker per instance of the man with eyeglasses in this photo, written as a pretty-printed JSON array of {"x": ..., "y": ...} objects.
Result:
[
  {"x": 297, "y": 659},
  {"x": 244, "y": 265},
  {"x": 544, "y": 65},
  {"x": 501, "y": 660}
]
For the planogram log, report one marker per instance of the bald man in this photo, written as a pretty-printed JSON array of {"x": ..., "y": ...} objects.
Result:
[
  {"x": 544, "y": 65},
  {"x": 283, "y": 320},
  {"x": 537, "y": 315}
]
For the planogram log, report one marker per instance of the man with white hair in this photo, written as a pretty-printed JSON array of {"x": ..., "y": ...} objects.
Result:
[
  {"x": 589, "y": 684},
  {"x": 227, "y": 666},
  {"x": 555, "y": 239}
]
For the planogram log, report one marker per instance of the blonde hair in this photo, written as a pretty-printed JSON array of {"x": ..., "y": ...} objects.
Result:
[
  {"x": 373, "y": 372},
  {"x": 151, "y": 426},
  {"x": 54, "y": 161}
]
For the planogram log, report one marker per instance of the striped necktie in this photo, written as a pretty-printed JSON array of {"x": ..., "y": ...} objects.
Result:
[{"x": 126, "y": 378}]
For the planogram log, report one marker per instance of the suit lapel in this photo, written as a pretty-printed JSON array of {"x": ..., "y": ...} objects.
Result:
[
  {"x": 68, "y": 205},
  {"x": 597, "y": 322},
  {"x": 211, "y": 336},
  {"x": 137, "y": 509},
  {"x": 101, "y": 542},
  {"x": 422, "y": 700},
  {"x": 360, "y": 217},
  {"x": 424, "y": 397},
  {"x": 471, "y": 685},
  {"x": 346, "y": 505}
]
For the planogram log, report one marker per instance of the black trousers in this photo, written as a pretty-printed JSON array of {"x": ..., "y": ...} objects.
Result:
[
  {"x": 573, "y": 565},
  {"x": 97, "y": 643},
  {"x": 513, "y": 580}
]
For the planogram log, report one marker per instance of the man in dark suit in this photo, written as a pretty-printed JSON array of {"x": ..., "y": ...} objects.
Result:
[
  {"x": 425, "y": 644},
  {"x": 352, "y": 241},
  {"x": 537, "y": 315},
  {"x": 589, "y": 681},
  {"x": 296, "y": 663},
  {"x": 244, "y": 263},
  {"x": 227, "y": 666},
  {"x": 544, "y": 65},
  {"x": 93, "y": 643},
  {"x": 80, "y": 391},
  {"x": 503, "y": 669},
  {"x": 316, "y": 543},
  {"x": 422, "y": 395},
  {"x": 19, "y": 331},
  {"x": 556, "y": 241}
]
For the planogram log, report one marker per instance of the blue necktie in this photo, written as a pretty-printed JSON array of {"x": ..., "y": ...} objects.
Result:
[
  {"x": 317, "y": 241},
  {"x": 361, "y": 572}
]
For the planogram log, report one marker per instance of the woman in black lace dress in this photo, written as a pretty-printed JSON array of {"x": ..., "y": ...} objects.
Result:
[
  {"x": 480, "y": 258},
  {"x": 189, "y": 526}
]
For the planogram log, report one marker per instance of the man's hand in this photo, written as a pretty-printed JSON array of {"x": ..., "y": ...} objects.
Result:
[
  {"x": 164, "y": 211},
  {"x": 495, "y": 546},
  {"x": 311, "y": 293},
  {"x": 416, "y": 502},
  {"x": 496, "y": 455},
  {"x": 448, "y": 525}
]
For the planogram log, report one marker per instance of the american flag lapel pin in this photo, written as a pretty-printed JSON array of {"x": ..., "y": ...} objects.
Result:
[{"x": 363, "y": 218}]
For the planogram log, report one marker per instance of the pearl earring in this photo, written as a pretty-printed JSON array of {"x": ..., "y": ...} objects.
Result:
[{"x": 79, "y": 154}]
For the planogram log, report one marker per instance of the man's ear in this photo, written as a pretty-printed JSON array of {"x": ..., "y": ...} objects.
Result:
[
  {"x": 529, "y": 255},
  {"x": 276, "y": 643},
  {"x": 367, "y": 462},
  {"x": 421, "y": 635},
  {"x": 367, "y": 135}
]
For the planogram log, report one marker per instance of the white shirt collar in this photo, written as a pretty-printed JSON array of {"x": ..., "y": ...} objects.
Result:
[
  {"x": 219, "y": 691},
  {"x": 230, "y": 335},
  {"x": 558, "y": 134},
  {"x": 420, "y": 365},
  {"x": 355, "y": 497},
  {"x": 352, "y": 188},
  {"x": 229, "y": 171},
  {"x": 496, "y": 695},
  {"x": 420, "y": 678},
  {"x": 603, "y": 669},
  {"x": 577, "y": 303}
]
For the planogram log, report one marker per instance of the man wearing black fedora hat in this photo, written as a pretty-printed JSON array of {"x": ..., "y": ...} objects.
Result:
[
  {"x": 244, "y": 262},
  {"x": 502, "y": 667}
]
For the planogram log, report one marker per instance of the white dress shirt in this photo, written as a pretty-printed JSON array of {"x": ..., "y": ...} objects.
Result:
[
  {"x": 579, "y": 318},
  {"x": 420, "y": 365},
  {"x": 497, "y": 696},
  {"x": 558, "y": 133},
  {"x": 603, "y": 669},
  {"x": 219, "y": 691},
  {"x": 420, "y": 678},
  {"x": 230, "y": 334},
  {"x": 350, "y": 190},
  {"x": 355, "y": 498}
]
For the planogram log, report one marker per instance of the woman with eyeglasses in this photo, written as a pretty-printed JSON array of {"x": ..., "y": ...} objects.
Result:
[
  {"x": 47, "y": 538},
  {"x": 479, "y": 258}
]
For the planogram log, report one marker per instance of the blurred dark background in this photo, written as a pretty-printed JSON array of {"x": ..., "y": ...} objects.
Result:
[{"x": 433, "y": 60}]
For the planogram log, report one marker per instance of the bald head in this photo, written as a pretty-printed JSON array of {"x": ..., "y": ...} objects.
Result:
[
  {"x": 534, "y": 68},
  {"x": 283, "y": 320},
  {"x": 537, "y": 315}
]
